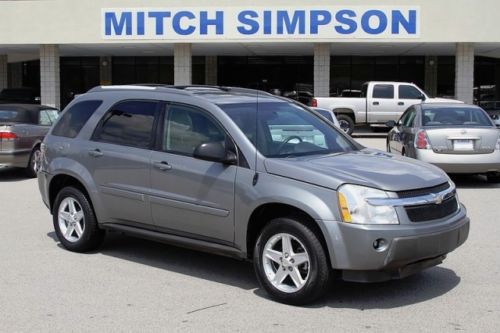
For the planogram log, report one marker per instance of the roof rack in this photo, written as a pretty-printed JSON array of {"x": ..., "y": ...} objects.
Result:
[
  {"x": 221, "y": 88},
  {"x": 185, "y": 89}
]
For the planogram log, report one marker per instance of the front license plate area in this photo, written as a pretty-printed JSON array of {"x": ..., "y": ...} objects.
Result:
[{"x": 463, "y": 145}]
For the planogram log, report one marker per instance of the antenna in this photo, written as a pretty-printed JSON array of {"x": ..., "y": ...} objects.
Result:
[{"x": 256, "y": 175}]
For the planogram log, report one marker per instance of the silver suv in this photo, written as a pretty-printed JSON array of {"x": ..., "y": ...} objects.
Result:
[{"x": 245, "y": 174}]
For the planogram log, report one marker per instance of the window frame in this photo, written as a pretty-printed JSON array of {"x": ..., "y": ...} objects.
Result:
[
  {"x": 384, "y": 85},
  {"x": 63, "y": 114},
  {"x": 242, "y": 161},
  {"x": 411, "y": 86},
  {"x": 51, "y": 122},
  {"x": 160, "y": 105}
]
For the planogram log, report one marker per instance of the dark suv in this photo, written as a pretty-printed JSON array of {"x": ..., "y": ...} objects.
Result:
[{"x": 249, "y": 175}]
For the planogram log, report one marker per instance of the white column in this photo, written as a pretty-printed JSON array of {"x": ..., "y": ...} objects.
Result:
[
  {"x": 322, "y": 70},
  {"x": 211, "y": 70},
  {"x": 183, "y": 65},
  {"x": 3, "y": 72},
  {"x": 464, "y": 72},
  {"x": 50, "y": 75}
]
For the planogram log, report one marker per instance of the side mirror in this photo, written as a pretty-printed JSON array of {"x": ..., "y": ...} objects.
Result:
[
  {"x": 390, "y": 124},
  {"x": 214, "y": 152},
  {"x": 422, "y": 97}
]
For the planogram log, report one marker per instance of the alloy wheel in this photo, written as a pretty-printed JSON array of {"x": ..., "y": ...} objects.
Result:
[
  {"x": 71, "y": 219},
  {"x": 286, "y": 263}
]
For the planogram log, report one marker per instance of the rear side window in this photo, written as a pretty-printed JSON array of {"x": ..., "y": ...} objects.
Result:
[
  {"x": 47, "y": 117},
  {"x": 409, "y": 92},
  {"x": 73, "y": 120},
  {"x": 383, "y": 91},
  {"x": 129, "y": 123},
  {"x": 325, "y": 114}
]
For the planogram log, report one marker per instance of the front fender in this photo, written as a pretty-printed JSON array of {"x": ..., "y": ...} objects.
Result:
[{"x": 318, "y": 202}]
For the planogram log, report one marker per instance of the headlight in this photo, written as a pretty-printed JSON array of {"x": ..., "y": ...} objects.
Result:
[{"x": 355, "y": 209}]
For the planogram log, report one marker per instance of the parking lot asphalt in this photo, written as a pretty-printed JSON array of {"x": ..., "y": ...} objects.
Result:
[{"x": 137, "y": 285}]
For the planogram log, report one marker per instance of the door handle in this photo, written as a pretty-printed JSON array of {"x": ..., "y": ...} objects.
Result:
[
  {"x": 163, "y": 166},
  {"x": 401, "y": 103},
  {"x": 376, "y": 103},
  {"x": 96, "y": 153}
]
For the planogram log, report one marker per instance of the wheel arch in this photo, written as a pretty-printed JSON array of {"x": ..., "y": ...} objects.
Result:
[
  {"x": 264, "y": 213},
  {"x": 345, "y": 111}
]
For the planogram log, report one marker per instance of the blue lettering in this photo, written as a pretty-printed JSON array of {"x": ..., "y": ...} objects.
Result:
[
  {"x": 319, "y": 17},
  {"x": 299, "y": 18},
  {"x": 347, "y": 24},
  {"x": 111, "y": 23},
  {"x": 218, "y": 22},
  {"x": 410, "y": 24},
  {"x": 176, "y": 22},
  {"x": 159, "y": 17},
  {"x": 249, "y": 26},
  {"x": 382, "y": 22},
  {"x": 140, "y": 23},
  {"x": 267, "y": 22}
]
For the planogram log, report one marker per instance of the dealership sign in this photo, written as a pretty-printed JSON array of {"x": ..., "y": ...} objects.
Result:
[{"x": 236, "y": 23}]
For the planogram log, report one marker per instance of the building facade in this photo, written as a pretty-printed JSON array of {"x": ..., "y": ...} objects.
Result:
[{"x": 320, "y": 48}]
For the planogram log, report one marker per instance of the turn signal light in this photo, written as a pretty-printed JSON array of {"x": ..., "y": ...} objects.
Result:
[
  {"x": 344, "y": 209},
  {"x": 421, "y": 140},
  {"x": 7, "y": 136},
  {"x": 314, "y": 103}
]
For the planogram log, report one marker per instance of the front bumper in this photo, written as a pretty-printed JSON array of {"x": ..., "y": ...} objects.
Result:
[
  {"x": 410, "y": 247},
  {"x": 462, "y": 163}
]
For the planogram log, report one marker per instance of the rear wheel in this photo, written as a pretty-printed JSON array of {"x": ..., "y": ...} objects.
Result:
[
  {"x": 75, "y": 222},
  {"x": 290, "y": 262},
  {"x": 34, "y": 163},
  {"x": 493, "y": 178},
  {"x": 346, "y": 123}
]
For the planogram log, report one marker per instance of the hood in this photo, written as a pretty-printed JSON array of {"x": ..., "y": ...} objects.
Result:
[
  {"x": 443, "y": 100},
  {"x": 368, "y": 167}
]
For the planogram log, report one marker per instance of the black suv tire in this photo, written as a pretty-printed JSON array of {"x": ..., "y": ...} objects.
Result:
[{"x": 90, "y": 237}]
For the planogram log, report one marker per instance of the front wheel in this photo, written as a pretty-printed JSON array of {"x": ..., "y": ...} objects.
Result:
[
  {"x": 290, "y": 262},
  {"x": 75, "y": 222},
  {"x": 346, "y": 123}
]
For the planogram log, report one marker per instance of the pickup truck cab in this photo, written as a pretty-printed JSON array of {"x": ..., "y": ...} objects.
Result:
[{"x": 379, "y": 103}]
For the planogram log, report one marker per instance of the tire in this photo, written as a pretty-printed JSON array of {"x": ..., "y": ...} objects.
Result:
[
  {"x": 346, "y": 123},
  {"x": 493, "y": 178},
  {"x": 315, "y": 274},
  {"x": 34, "y": 163},
  {"x": 85, "y": 234}
]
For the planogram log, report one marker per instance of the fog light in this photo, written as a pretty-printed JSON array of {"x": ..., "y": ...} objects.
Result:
[{"x": 380, "y": 245}]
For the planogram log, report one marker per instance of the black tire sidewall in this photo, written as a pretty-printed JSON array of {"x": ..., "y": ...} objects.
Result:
[
  {"x": 92, "y": 235},
  {"x": 30, "y": 172},
  {"x": 319, "y": 268},
  {"x": 347, "y": 119}
]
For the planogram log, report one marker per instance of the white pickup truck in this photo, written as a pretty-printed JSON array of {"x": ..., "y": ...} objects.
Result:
[{"x": 379, "y": 103}]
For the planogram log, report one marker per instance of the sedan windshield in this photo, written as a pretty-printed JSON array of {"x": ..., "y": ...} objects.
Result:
[
  {"x": 450, "y": 117},
  {"x": 283, "y": 129}
]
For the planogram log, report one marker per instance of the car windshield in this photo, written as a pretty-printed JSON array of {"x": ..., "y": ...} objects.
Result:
[
  {"x": 283, "y": 129},
  {"x": 451, "y": 117}
]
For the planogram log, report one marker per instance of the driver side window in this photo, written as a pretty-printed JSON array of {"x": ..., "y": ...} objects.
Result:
[{"x": 185, "y": 128}]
